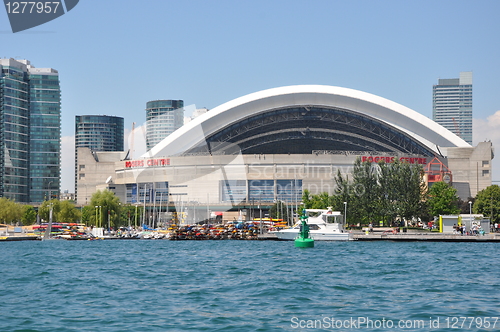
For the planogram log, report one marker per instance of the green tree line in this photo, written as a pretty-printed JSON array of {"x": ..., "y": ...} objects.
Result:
[
  {"x": 374, "y": 193},
  {"x": 104, "y": 209},
  {"x": 388, "y": 192}
]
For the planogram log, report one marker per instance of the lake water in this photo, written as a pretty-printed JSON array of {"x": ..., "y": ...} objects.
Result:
[{"x": 158, "y": 285}]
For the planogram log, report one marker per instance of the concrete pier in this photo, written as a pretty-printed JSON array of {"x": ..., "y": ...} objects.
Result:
[
  {"x": 412, "y": 237},
  {"x": 434, "y": 237},
  {"x": 19, "y": 238}
]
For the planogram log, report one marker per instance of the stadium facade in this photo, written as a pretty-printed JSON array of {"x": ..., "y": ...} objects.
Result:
[{"x": 273, "y": 144}]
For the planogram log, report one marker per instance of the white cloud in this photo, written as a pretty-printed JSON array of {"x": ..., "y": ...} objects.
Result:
[{"x": 489, "y": 130}]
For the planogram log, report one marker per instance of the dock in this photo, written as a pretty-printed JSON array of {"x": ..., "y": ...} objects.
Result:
[
  {"x": 411, "y": 237},
  {"x": 19, "y": 238},
  {"x": 430, "y": 237},
  {"x": 356, "y": 236},
  {"x": 267, "y": 236}
]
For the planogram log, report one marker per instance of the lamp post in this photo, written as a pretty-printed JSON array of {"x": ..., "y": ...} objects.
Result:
[
  {"x": 50, "y": 191},
  {"x": 96, "y": 215},
  {"x": 470, "y": 213},
  {"x": 260, "y": 213},
  {"x": 153, "y": 193},
  {"x": 144, "y": 211},
  {"x": 135, "y": 222},
  {"x": 159, "y": 208},
  {"x": 345, "y": 213},
  {"x": 100, "y": 216}
]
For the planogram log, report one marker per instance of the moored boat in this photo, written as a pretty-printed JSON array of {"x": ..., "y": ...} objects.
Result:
[{"x": 324, "y": 225}]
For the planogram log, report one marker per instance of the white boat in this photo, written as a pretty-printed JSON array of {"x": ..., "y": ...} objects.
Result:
[{"x": 324, "y": 225}]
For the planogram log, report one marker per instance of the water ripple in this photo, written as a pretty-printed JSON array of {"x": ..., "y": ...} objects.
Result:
[{"x": 239, "y": 285}]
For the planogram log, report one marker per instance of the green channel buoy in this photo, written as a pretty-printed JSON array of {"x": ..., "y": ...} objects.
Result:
[{"x": 303, "y": 240}]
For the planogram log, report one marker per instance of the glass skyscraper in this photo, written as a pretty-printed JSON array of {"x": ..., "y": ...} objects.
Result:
[
  {"x": 163, "y": 117},
  {"x": 30, "y": 132},
  {"x": 99, "y": 132},
  {"x": 452, "y": 105}
]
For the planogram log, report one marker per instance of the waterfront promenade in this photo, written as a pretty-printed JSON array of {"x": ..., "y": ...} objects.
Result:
[
  {"x": 357, "y": 236},
  {"x": 413, "y": 237},
  {"x": 232, "y": 232},
  {"x": 17, "y": 233},
  {"x": 428, "y": 236}
]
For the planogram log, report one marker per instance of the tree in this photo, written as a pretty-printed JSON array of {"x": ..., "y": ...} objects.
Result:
[
  {"x": 68, "y": 212},
  {"x": 44, "y": 210},
  {"x": 320, "y": 201},
  {"x": 343, "y": 194},
  {"x": 389, "y": 200},
  {"x": 382, "y": 192},
  {"x": 88, "y": 215},
  {"x": 412, "y": 190},
  {"x": 29, "y": 215},
  {"x": 442, "y": 198},
  {"x": 488, "y": 203},
  {"x": 10, "y": 211},
  {"x": 128, "y": 215},
  {"x": 306, "y": 199},
  {"x": 62, "y": 211},
  {"x": 366, "y": 192},
  {"x": 107, "y": 208}
]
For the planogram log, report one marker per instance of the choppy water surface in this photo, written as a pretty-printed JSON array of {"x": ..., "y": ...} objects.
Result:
[{"x": 163, "y": 285}]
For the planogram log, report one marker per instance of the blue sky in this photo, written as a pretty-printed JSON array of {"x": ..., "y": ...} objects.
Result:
[{"x": 115, "y": 55}]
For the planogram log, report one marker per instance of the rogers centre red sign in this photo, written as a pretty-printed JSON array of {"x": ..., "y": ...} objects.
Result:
[
  {"x": 147, "y": 163},
  {"x": 388, "y": 159}
]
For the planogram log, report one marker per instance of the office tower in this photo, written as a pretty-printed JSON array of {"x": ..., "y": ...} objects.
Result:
[
  {"x": 163, "y": 117},
  {"x": 30, "y": 132},
  {"x": 98, "y": 133},
  {"x": 452, "y": 105}
]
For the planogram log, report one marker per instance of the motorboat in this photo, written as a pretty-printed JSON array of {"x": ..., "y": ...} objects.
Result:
[{"x": 324, "y": 225}]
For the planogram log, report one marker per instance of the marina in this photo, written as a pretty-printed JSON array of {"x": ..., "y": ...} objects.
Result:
[
  {"x": 203, "y": 233},
  {"x": 323, "y": 225}
]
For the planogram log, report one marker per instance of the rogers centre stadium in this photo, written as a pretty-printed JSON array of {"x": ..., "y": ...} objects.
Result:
[{"x": 273, "y": 144}]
